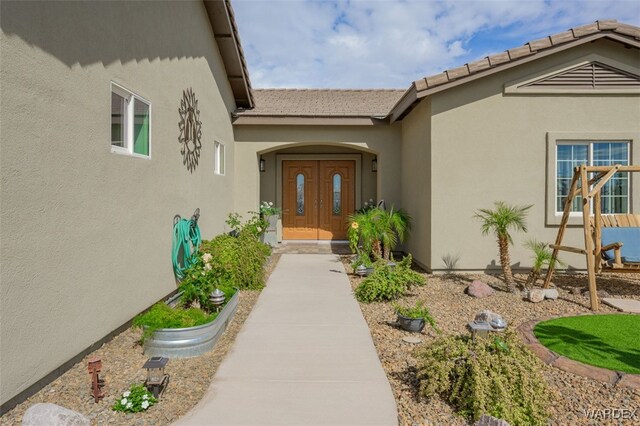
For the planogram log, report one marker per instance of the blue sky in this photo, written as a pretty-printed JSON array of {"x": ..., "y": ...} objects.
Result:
[{"x": 390, "y": 43}]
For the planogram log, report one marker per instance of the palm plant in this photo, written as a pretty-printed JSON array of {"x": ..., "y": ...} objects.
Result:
[
  {"x": 499, "y": 222},
  {"x": 542, "y": 257},
  {"x": 378, "y": 230},
  {"x": 393, "y": 227}
]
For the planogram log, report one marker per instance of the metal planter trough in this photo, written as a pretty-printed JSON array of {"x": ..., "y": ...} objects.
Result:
[{"x": 191, "y": 341}]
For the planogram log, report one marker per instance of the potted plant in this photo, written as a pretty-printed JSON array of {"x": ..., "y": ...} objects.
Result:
[{"x": 414, "y": 318}]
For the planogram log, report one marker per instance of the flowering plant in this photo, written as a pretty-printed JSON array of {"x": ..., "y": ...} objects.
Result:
[
  {"x": 136, "y": 399},
  {"x": 268, "y": 209}
]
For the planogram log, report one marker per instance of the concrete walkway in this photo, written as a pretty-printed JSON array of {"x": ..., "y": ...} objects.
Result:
[{"x": 304, "y": 356}]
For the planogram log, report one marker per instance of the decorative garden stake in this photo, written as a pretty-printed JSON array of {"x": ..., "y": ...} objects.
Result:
[
  {"x": 361, "y": 270},
  {"x": 156, "y": 381},
  {"x": 217, "y": 298},
  {"x": 95, "y": 365}
]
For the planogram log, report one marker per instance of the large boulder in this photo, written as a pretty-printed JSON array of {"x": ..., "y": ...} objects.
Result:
[
  {"x": 479, "y": 289},
  {"x": 52, "y": 415}
]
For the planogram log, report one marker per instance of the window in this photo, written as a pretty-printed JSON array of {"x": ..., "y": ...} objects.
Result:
[
  {"x": 218, "y": 161},
  {"x": 337, "y": 195},
  {"x": 130, "y": 123},
  {"x": 300, "y": 195},
  {"x": 570, "y": 154}
]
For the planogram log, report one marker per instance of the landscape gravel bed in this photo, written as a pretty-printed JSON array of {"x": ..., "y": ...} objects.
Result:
[
  {"x": 122, "y": 361},
  {"x": 452, "y": 309}
]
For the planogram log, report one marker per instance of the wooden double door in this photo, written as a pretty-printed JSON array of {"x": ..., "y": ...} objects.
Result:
[{"x": 317, "y": 198}]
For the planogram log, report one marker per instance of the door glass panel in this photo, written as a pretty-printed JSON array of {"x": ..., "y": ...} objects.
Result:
[
  {"x": 337, "y": 195},
  {"x": 300, "y": 195}
]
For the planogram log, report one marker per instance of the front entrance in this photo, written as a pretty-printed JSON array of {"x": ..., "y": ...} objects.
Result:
[{"x": 317, "y": 198}]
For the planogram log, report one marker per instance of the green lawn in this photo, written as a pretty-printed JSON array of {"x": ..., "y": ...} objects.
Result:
[{"x": 608, "y": 341}]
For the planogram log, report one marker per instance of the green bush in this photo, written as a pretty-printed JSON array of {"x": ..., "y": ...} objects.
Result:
[
  {"x": 499, "y": 377},
  {"x": 388, "y": 283},
  {"x": 163, "y": 316},
  {"x": 238, "y": 261}
]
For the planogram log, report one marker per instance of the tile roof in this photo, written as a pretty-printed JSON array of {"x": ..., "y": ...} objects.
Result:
[
  {"x": 530, "y": 48},
  {"x": 322, "y": 103}
]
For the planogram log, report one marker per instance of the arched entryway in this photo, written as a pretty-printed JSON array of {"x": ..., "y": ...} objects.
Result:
[{"x": 317, "y": 188}]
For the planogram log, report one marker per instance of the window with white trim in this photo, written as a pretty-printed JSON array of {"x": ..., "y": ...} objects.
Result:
[
  {"x": 218, "y": 161},
  {"x": 570, "y": 154},
  {"x": 130, "y": 123}
]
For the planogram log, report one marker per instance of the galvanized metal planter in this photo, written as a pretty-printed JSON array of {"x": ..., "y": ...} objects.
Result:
[{"x": 191, "y": 341}]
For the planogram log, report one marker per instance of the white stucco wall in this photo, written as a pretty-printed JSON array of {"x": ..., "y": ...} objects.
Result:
[
  {"x": 86, "y": 234},
  {"x": 488, "y": 146}
]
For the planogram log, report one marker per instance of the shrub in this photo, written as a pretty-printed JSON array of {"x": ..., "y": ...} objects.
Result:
[
  {"x": 163, "y": 316},
  {"x": 499, "y": 377},
  {"x": 136, "y": 399},
  {"x": 199, "y": 281},
  {"x": 418, "y": 311},
  {"x": 387, "y": 282},
  {"x": 238, "y": 261}
]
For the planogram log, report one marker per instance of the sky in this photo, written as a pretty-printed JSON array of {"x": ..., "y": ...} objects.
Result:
[{"x": 361, "y": 44}]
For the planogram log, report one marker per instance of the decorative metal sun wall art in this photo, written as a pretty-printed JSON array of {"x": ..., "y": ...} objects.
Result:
[{"x": 190, "y": 130}]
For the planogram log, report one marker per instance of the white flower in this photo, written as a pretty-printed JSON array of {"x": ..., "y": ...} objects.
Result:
[
  {"x": 145, "y": 404},
  {"x": 371, "y": 200},
  {"x": 207, "y": 267},
  {"x": 126, "y": 394},
  {"x": 145, "y": 396},
  {"x": 270, "y": 203},
  {"x": 259, "y": 229},
  {"x": 129, "y": 404},
  {"x": 207, "y": 257},
  {"x": 123, "y": 401}
]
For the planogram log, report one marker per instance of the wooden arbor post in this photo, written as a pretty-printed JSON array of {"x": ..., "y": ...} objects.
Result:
[{"x": 592, "y": 240}]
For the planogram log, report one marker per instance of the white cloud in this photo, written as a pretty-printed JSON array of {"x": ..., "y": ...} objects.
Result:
[{"x": 376, "y": 43}]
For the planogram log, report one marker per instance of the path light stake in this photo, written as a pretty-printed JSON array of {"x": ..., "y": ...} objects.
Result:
[
  {"x": 156, "y": 381},
  {"x": 361, "y": 270},
  {"x": 217, "y": 298},
  {"x": 95, "y": 365}
]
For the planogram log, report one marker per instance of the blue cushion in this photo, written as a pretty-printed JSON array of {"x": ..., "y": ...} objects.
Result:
[{"x": 629, "y": 237}]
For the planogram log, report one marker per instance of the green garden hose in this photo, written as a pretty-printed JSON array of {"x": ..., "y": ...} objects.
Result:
[{"x": 186, "y": 242}]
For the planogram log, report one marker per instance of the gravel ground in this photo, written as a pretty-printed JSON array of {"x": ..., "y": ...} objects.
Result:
[
  {"x": 122, "y": 361},
  {"x": 452, "y": 309}
]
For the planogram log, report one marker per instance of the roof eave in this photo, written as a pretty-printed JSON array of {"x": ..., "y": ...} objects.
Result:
[
  {"x": 225, "y": 31},
  {"x": 275, "y": 120},
  {"x": 404, "y": 106}
]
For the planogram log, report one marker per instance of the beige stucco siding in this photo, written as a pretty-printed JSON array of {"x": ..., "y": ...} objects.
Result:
[
  {"x": 488, "y": 146},
  {"x": 86, "y": 233},
  {"x": 416, "y": 179},
  {"x": 382, "y": 141}
]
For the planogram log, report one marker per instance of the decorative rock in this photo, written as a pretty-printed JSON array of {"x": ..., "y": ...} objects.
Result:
[
  {"x": 486, "y": 316},
  {"x": 411, "y": 339},
  {"x": 479, "y": 289},
  {"x": 536, "y": 295},
  {"x": 52, "y": 415},
  {"x": 601, "y": 293},
  {"x": 487, "y": 420},
  {"x": 550, "y": 293}
]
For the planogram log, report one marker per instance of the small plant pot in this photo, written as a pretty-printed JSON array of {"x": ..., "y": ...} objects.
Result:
[{"x": 410, "y": 324}]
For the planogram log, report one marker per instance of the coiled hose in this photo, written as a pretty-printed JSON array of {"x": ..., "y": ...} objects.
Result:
[{"x": 186, "y": 242}]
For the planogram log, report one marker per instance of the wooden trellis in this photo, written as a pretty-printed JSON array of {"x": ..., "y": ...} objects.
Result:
[{"x": 590, "y": 190}]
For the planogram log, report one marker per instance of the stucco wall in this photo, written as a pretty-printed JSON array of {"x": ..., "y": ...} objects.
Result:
[
  {"x": 416, "y": 180},
  {"x": 252, "y": 141},
  {"x": 488, "y": 146},
  {"x": 86, "y": 234}
]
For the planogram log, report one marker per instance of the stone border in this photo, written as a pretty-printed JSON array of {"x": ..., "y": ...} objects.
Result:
[{"x": 616, "y": 378}]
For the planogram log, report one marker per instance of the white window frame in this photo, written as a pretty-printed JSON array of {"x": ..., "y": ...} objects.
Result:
[
  {"x": 219, "y": 167},
  {"x": 554, "y": 139},
  {"x": 559, "y": 210},
  {"x": 129, "y": 120}
]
